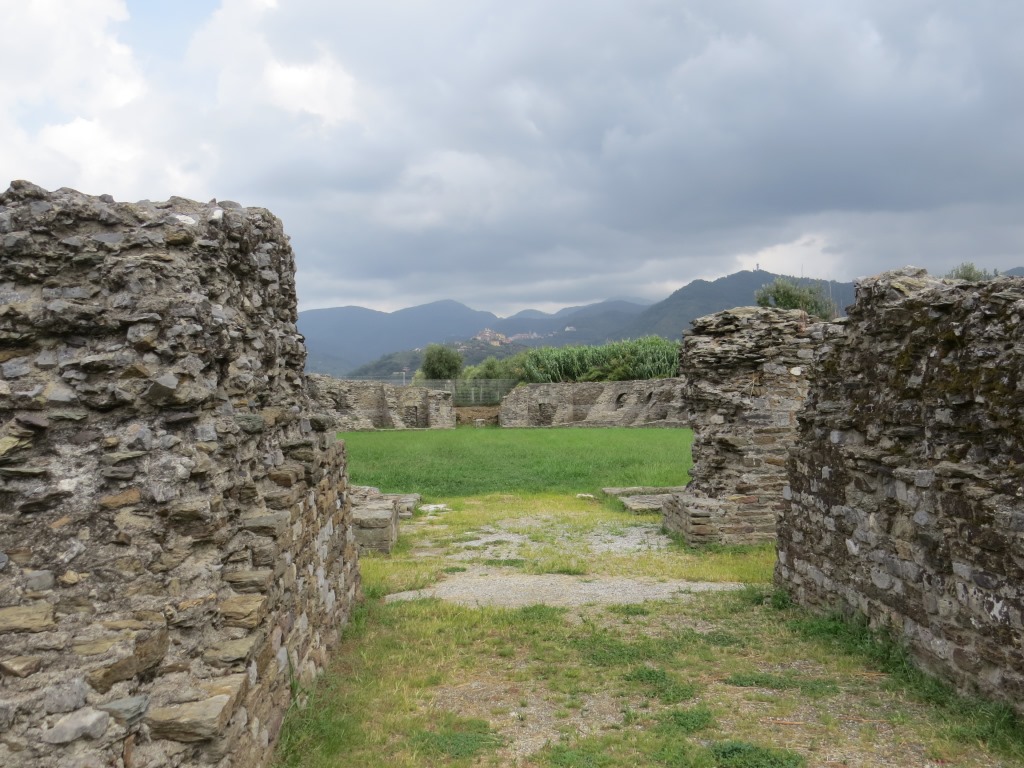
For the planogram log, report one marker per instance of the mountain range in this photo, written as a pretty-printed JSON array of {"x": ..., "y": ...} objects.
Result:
[{"x": 340, "y": 340}]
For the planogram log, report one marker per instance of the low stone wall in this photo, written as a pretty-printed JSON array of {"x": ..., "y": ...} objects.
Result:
[
  {"x": 908, "y": 477},
  {"x": 365, "y": 405},
  {"x": 175, "y": 539},
  {"x": 655, "y": 402},
  {"x": 743, "y": 378}
]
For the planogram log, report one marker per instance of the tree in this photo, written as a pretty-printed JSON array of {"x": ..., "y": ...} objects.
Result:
[
  {"x": 785, "y": 294},
  {"x": 967, "y": 271},
  {"x": 441, "y": 362}
]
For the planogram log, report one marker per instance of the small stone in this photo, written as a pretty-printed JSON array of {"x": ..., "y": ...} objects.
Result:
[
  {"x": 250, "y": 580},
  {"x": 230, "y": 652},
  {"x": 162, "y": 388},
  {"x": 245, "y": 611},
  {"x": 127, "y": 711},
  {"x": 21, "y": 666},
  {"x": 35, "y": 617},
  {"x": 123, "y": 499},
  {"x": 86, "y": 722},
  {"x": 16, "y": 368},
  {"x": 149, "y": 651},
  {"x": 66, "y": 696},
  {"x": 190, "y": 722}
]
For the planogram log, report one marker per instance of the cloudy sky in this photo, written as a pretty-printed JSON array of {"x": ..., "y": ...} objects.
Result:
[{"x": 541, "y": 153}]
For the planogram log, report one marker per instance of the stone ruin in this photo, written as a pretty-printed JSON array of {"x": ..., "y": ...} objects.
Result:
[
  {"x": 376, "y": 515},
  {"x": 366, "y": 405},
  {"x": 655, "y": 402},
  {"x": 176, "y": 544},
  {"x": 744, "y": 377},
  {"x": 907, "y": 476}
]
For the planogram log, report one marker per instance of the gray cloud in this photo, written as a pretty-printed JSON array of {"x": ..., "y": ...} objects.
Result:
[{"x": 544, "y": 154}]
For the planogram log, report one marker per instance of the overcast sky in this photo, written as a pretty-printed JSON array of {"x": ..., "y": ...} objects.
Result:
[{"x": 540, "y": 153}]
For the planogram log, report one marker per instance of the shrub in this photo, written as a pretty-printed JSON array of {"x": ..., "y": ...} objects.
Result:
[
  {"x": 441, "y": 362},
  {"x": 785, "y": 294}
]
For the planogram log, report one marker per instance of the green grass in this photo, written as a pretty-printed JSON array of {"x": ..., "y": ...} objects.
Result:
[
  {"x": 736, "y": 679},
  {"x": 441, "y": 464}
]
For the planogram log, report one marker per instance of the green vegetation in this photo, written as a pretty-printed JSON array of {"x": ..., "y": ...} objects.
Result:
[
  {"x": 651, "y": 357},
  {"x": 466, "y": 462},
  {"x": 785, "y": 294},
  {"x": 440, "y": 362},
  {"x": 967, "y": 271},
  {"x": 728, "y": 679}
]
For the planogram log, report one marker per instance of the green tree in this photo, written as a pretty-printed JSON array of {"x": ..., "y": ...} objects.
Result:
[
  {"x": 440, "y": 362},
  {"x": 967, "y": 271},
  {"x": 785, "y": 294}
]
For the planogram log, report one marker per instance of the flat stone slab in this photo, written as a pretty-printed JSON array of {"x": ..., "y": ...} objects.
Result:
[
  {"x": 642, "y": 490},
  {"x": 642, "y": 504},
  {"x": 485, "y": 586}
]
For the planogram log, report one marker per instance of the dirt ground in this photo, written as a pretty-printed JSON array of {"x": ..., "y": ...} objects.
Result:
[{"x": 465, "y": 414}]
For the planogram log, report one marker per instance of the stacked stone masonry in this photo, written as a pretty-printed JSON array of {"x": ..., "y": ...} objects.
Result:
[
  {"x": 655, "y": 402},
  {"x": 367, "y": 405},
  {"x": 743, "y": 374},
  {"x": 376, "y": 516},
  {"x": 175, "y": 539},
  {"x": 907, "y": 482}
]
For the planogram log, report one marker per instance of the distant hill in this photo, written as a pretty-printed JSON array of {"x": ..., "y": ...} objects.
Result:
[
  {"x": 355, "y": 340},
  {"x": 342, "y": 338},
  {"x": 670, "y": 317}
]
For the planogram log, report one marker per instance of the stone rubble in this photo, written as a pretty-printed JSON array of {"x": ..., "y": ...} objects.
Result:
[{"x": 176, "y": 544}]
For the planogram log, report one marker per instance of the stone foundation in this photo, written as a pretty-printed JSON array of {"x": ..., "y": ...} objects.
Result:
[
  {"x": 376, "y": 516},
  {"x": 365, "y": 405},
  {"x": 908, "y": 478},
  {"x": 743, "y": 379},
  {"x": 176, "y": 544},
  {"x": 655, "y": 402}
]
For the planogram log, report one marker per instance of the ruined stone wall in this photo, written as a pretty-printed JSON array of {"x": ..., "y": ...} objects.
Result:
[
  {"x": 362, "y": 405},
  {"x": 175, "y": 539},
  {"x": 655, "y": 402},
  {"x": 908, "y": 479},
  {"x": 744, "y": 378}
]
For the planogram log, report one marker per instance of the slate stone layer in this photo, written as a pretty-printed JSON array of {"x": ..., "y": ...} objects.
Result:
[
  {"x": 743, "y": 378},
  {"x": 176, "y": 544},
  {"x": 907, "y": 481}
]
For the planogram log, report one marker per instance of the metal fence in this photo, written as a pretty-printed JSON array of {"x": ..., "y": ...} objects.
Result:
[{"x": 464, "y": 391}]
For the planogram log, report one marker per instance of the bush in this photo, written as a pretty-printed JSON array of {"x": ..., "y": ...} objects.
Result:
[
  {"x": 441, "y": 362},
  {"x": 651, "y": 357},
  {"x": 785, "y": 294},
  {"x": 967, "y": 271}
]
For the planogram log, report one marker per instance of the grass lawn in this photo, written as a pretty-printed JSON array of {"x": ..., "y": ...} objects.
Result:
[
  {"x": 442, "y": 464},
  {"x": 732, "y": 679}
]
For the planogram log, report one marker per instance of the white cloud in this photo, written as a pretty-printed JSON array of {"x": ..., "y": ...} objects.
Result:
[
  {"x": 323, "y": 89},
  {"x": 807, "y": 256},
  {"x": 75, "y": 61}
]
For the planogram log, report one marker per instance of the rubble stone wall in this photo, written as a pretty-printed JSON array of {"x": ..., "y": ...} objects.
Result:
[
  {"x": 908, "y": 478},
  {"x": 654, "y": 402},
  {"x": 365, "y": 405},
  {"x": 175, "y": 540},
  {"x": 743, "y": 378}
]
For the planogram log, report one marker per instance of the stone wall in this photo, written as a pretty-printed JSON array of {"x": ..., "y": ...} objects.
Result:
[
  {"x": 908, "y": 479},
  {"x": 655, "y": 402},
  {"x": 364, "y": 405},
  {"x": 743, "y": 379},
  {"x": 175, "y": 539}
]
